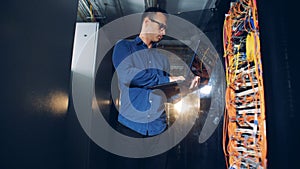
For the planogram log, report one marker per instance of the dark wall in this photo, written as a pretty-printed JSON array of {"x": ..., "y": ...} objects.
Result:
[
  {"x": 279, "y": 71},
  {"x": 36, "y": 49}
]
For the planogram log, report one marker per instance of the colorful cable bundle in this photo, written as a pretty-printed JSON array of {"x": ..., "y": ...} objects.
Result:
[{"x": 244, "y": 131}]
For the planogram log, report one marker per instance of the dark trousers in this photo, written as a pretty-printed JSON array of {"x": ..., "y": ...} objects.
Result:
[{"x": 155, "y": 162}]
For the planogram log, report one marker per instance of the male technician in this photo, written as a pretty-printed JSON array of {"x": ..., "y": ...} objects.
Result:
[{"x": 139, "y": 65}]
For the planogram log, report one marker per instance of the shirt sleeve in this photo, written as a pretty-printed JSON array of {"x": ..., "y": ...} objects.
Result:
[
  {"x": 149, "y": 77},
  {"x": 120, "y": 52},
  {"x": 129, "y": 74}
]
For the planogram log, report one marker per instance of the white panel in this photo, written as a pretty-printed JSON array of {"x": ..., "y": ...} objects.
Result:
[
  {"x": 83, "y": 71},
  {"x": 84, "y": 48}
]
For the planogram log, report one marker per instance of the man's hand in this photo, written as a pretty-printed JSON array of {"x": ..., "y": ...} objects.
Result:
[
  {"x": 195, "y": 82},
  {"x": 176, "y": 78}
]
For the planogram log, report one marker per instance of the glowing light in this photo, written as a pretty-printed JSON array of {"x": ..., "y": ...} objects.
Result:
[
  {"x": 58, "y": 102},
  {"x": 205, "y": 90},
  {"x": 187, "y": 103},
  {"x": 55, "y": 102},
  {"x": 178, "y": 106},
  {"x": 104, "y": 102}
]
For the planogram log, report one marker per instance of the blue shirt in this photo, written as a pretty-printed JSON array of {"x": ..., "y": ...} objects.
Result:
[{"x": 138, "y": 67}]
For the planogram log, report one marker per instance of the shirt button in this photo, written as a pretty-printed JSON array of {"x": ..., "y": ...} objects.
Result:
[
  {"x": 148, "y": 116},
  {"x": 150, "y": 62},
  {"x": 150, "y": 101}
]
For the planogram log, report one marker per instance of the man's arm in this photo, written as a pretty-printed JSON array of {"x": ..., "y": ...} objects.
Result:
[{"x": 129, "y": 73}]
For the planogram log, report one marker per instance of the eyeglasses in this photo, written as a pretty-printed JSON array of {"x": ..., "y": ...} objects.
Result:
[{"x": 161, "y": 25}]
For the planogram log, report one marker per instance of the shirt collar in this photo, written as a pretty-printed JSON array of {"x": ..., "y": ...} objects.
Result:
[{"x": 139, "y": 41}]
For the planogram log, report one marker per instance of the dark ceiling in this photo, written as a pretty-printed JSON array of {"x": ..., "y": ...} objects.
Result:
[{"x": 198, "y": 12}]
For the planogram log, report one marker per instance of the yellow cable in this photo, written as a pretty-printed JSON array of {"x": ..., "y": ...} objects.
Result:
[
  {"x": 91, "y": 11},
  {"x": 250, "y": 47}
]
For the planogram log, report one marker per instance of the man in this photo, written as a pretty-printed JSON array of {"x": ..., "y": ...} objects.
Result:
[{"x": 139, "y": 66}]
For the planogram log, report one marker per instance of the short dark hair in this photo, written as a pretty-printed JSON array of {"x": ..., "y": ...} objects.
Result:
[{"x": 149, "y": 12}]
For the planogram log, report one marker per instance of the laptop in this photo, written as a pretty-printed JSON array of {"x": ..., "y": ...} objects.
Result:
[{"x": 175, "y": 84}]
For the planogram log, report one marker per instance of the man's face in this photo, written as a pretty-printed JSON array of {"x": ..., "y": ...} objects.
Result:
[{"x": 157, "y": 26}]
